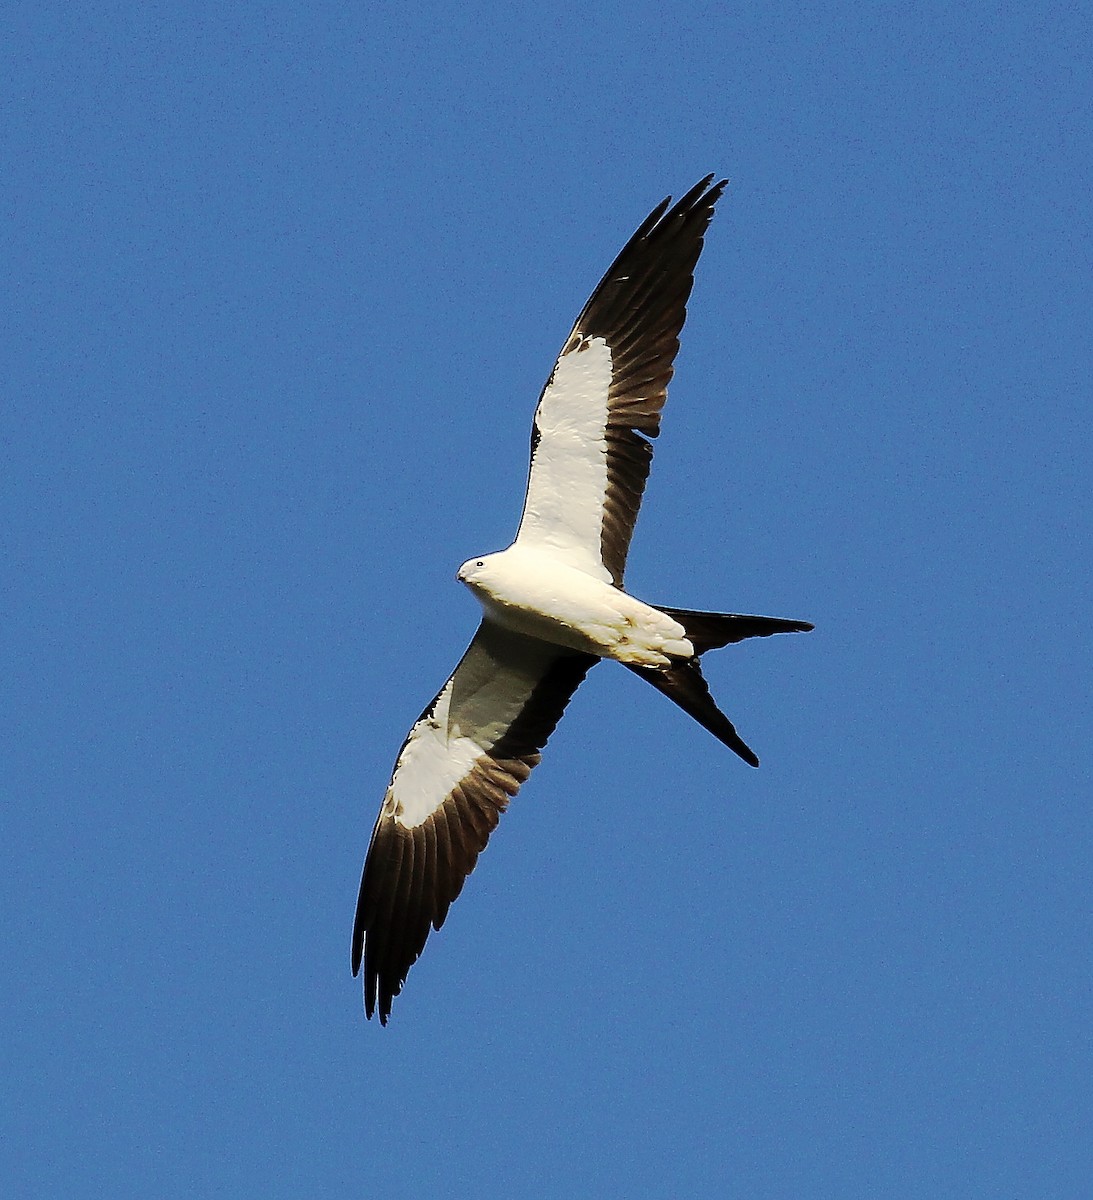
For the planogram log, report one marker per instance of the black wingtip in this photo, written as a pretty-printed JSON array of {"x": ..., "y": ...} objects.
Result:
[
  {"x": 356, "y": 952},
  {"x": 356, "y": 948},
  {"x": 704, "y": 189}
]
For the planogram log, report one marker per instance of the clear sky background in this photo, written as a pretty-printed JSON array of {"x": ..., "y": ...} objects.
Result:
[{"x": 281, "y": 286}]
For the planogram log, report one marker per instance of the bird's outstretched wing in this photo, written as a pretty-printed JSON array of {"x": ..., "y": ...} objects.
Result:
[
  {"x": 461, "y": 763},
  {"x": 590, "y": 449}
]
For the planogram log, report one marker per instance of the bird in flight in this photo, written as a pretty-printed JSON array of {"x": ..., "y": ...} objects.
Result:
[{"x": 553, "y": 603}]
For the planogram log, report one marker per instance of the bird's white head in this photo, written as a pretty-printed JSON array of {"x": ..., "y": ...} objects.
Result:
[
  {"x": 490, "y": 577},
  {"x": 474, "y": 570}
]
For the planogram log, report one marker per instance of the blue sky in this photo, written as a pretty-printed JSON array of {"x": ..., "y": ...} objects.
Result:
[{"x": 282, "y": 286}]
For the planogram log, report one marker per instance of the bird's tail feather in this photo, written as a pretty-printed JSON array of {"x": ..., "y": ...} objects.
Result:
[
  {"x": 710, "y": 631},
  {"x": 683, "y": 683}
]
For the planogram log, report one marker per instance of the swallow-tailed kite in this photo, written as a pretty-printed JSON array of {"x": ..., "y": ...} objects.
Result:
[{"x": 553, "y": 603}]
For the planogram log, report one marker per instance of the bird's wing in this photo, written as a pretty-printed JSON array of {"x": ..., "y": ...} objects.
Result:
[
  {"x": 461, "y": 763},
  {"x": 590, "y": 452}
]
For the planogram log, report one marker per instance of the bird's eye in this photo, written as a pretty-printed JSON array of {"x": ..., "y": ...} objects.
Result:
[{"x": 479, "y": 563}]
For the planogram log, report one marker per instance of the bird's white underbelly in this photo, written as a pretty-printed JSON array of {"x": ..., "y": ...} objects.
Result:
[{"x": 535, "y": 594}]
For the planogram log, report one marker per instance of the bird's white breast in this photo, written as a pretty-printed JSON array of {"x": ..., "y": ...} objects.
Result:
[{"x": 533, "y": 593}]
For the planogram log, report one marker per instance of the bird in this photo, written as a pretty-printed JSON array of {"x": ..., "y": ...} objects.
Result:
[{"x": 553, "y": 603}]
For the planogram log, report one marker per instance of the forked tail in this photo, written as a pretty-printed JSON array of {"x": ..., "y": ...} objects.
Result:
[{"x": 683, "y": 683}]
